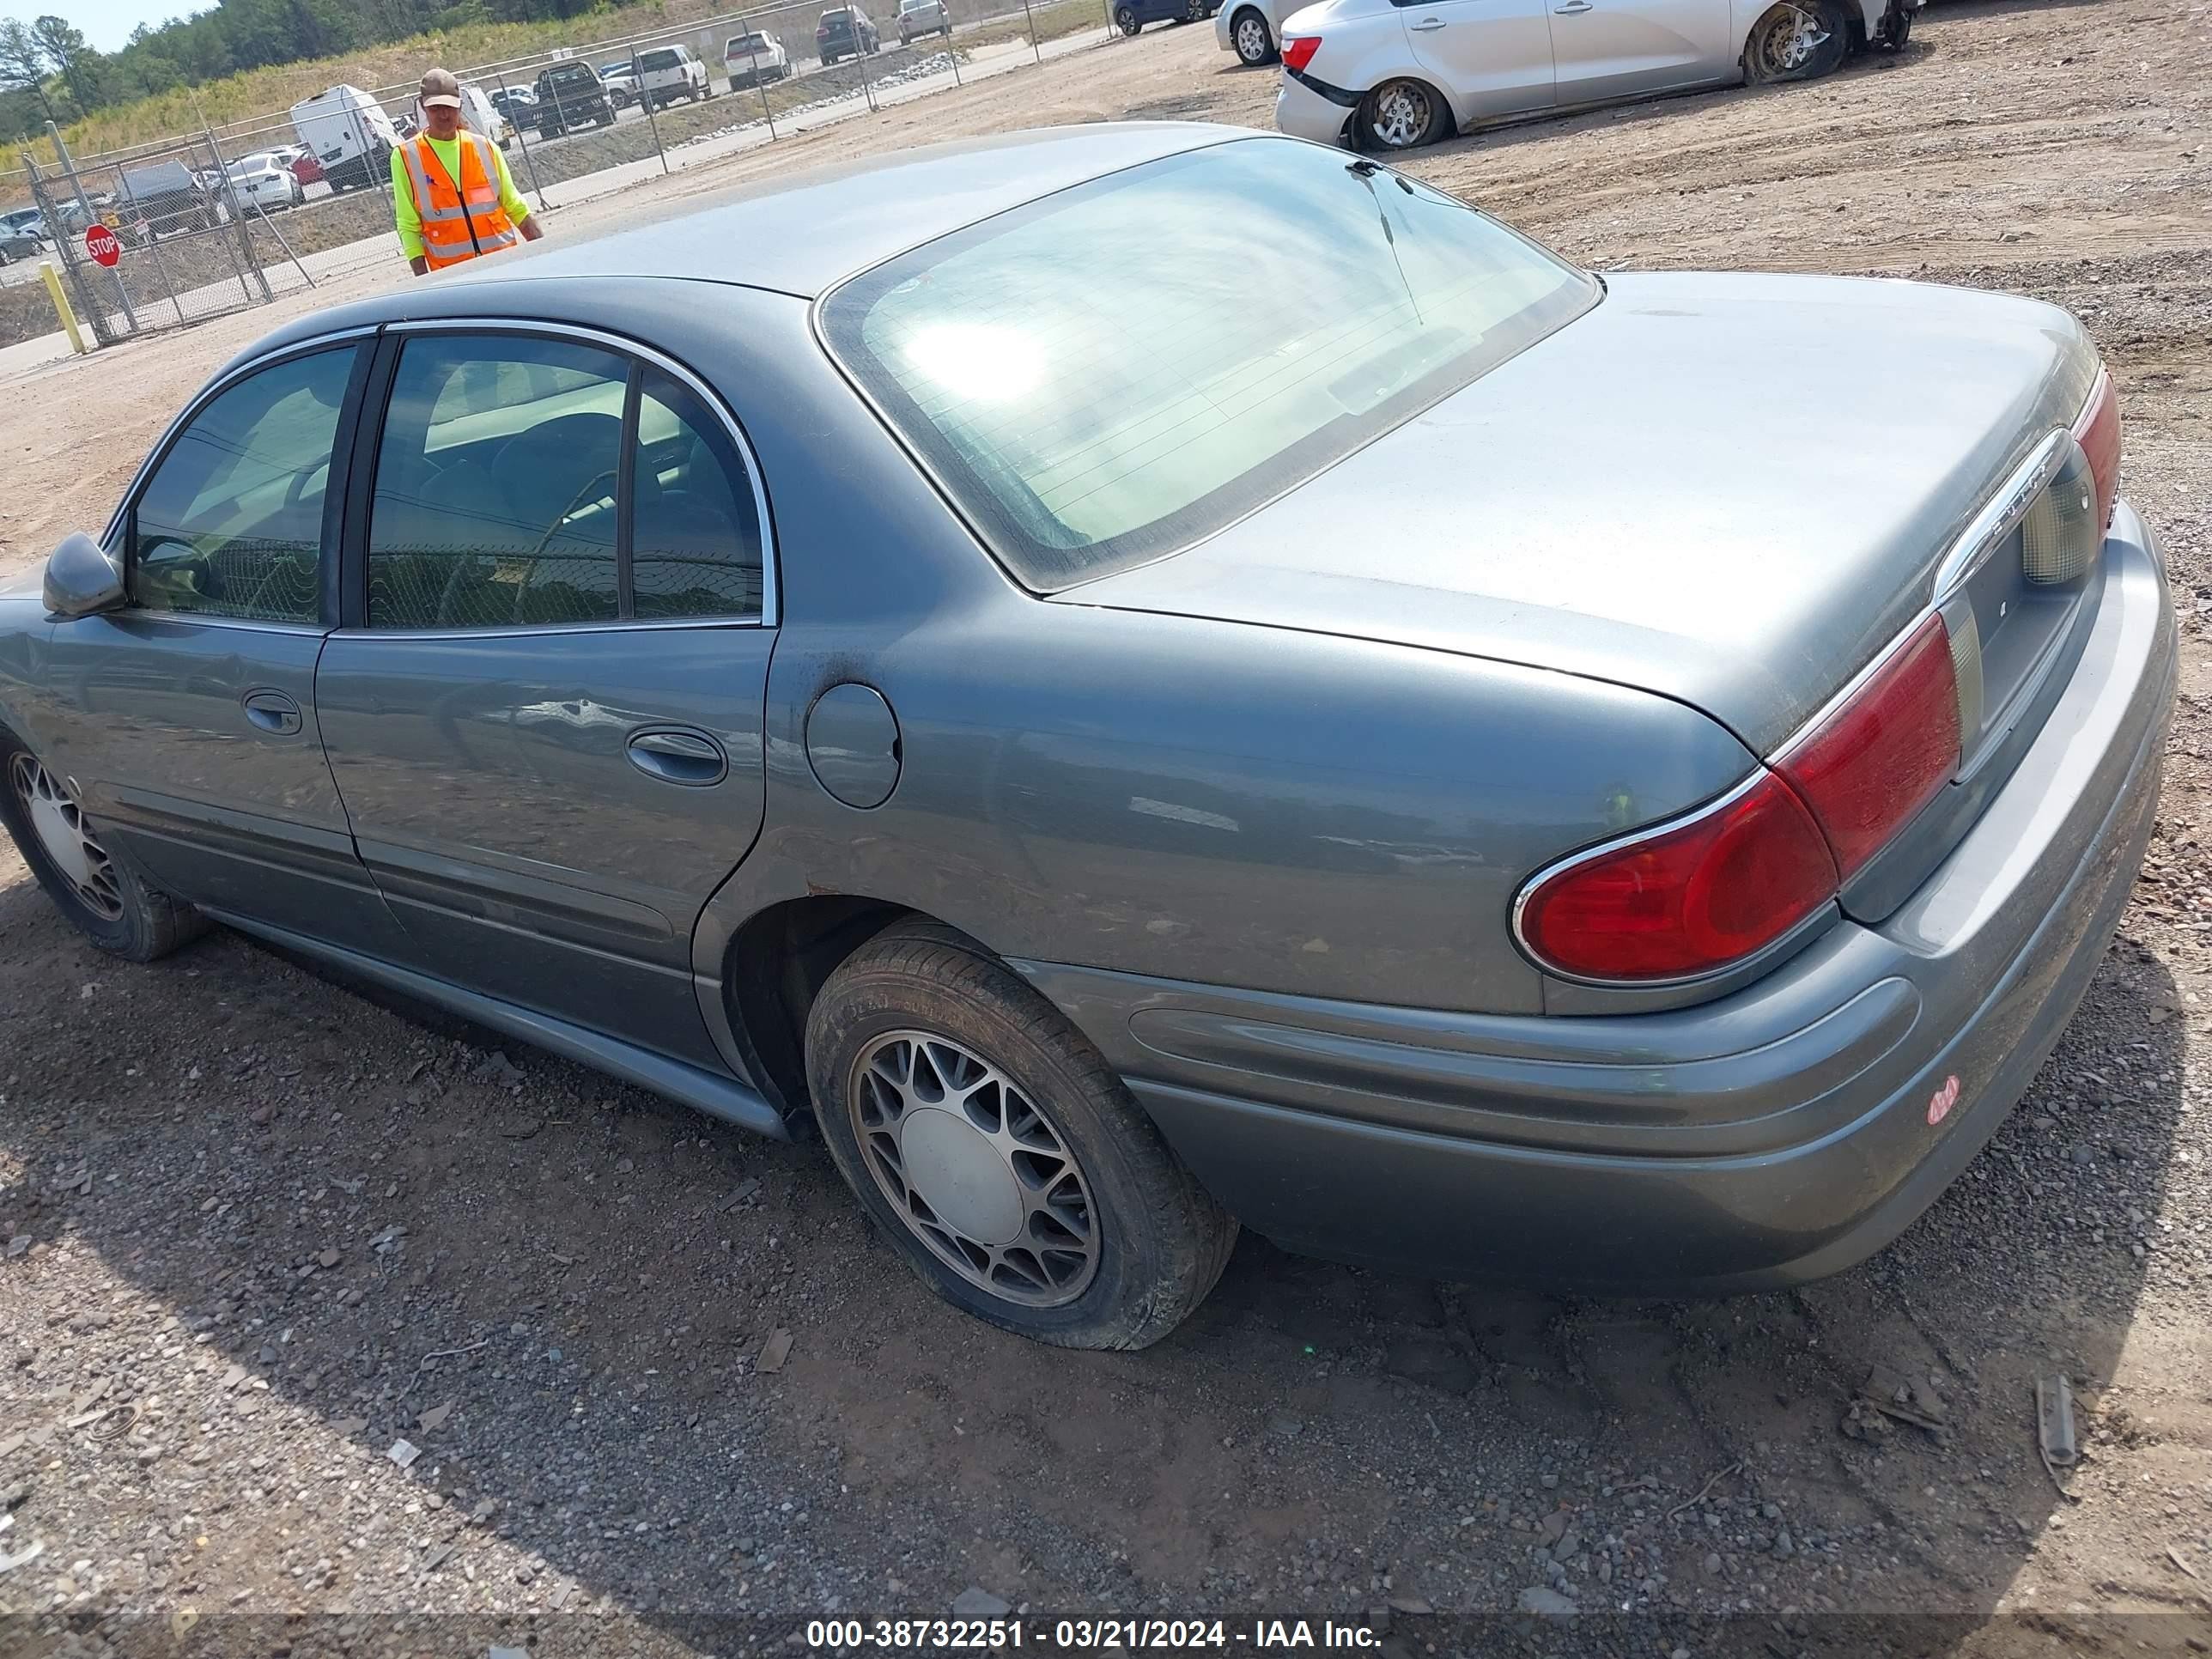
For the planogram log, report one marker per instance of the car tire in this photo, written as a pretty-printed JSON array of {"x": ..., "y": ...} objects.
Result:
[
  {"x": 1402, "y": 114},
  {"x": 116, "y": 909},
  {"x": 1253, "y": 40},
  {"x": 1796, "y": 41},
  {"x": 1104, "y": 1239},
  {"x": 1125, "y": 19}
]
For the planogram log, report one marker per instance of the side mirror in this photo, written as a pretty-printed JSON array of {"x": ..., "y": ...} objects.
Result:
[{"x": 81, "y": 578}]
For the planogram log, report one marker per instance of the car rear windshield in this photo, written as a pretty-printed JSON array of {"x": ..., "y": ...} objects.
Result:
[
  {"x": 660, "y": 60},
  {"x": 1109, "y": 374},
  {"x": 747, "y": 43}
]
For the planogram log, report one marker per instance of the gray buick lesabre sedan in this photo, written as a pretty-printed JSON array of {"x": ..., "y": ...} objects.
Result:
[{"x": 1147, "y": 678}]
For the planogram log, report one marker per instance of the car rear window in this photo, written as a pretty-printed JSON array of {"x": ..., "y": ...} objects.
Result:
[
  {"x": 1108, "y": 375},
  {"x": 660, "y": 60},
  {"x": 747, "y": 43}
]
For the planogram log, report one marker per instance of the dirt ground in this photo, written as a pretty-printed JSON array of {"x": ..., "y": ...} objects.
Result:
[{"x": 272, "y": 1223}]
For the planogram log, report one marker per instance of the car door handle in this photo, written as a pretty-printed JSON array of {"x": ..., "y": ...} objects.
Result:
[
  {"x": 1425, "y": 25},
  {"x": 272, "y": 712},
  {"x": 676, "y": 755},
  {"x": 1571, "y": 8}
]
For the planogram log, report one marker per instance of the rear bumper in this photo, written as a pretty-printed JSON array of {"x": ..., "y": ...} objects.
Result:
[
  {"x": 1304, "y": 110},
  {"x": 1770, "y": 1136}
]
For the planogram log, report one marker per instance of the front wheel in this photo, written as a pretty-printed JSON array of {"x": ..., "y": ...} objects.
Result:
[
  {"x": 111, "y": 904},
  {"x": 1796, "y": 41},
  {"x": 1402, "y": 115},
  {"x": 1126, "y": 21},
  {"x": 1253, "y": 40},
  {"x": 1008, "y": 1164}
]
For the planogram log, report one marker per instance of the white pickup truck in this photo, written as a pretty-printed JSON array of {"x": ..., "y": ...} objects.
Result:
[{"x": 668, "y": 73}]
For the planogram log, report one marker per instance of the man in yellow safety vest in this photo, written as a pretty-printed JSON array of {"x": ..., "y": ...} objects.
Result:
[{"x": 450, "y": 188}]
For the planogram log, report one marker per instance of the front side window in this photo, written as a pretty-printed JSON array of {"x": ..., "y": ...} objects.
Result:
[
  {"x": 502, "y": 478},
  {"x": 1113, "y": 372},
  {"x": 231, "y": 522}
]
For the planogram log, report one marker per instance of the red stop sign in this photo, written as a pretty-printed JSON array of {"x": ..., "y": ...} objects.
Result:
[{"x": 99, "y": 242}]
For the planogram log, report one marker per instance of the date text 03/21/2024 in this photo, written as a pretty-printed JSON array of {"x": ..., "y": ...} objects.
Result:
[{"x": 987, "y": 1634}]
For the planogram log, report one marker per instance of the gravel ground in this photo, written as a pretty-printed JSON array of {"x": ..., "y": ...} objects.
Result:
[{"x": 258, "y": 1229}]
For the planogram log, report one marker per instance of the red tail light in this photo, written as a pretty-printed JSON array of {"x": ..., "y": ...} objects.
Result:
[
  {"x": 2098, "y": 432},
  {"x": 1877, "y": 759},
  {"x": 1299, "y": 51},
  {"x": 1697, "y": 895},
  {"x": 1685, "y": 900}
]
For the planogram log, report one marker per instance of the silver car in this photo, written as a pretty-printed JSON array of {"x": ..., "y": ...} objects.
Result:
[
  {"x": 1394, "y": 73},
  {"x": 1393, "y": 740}
]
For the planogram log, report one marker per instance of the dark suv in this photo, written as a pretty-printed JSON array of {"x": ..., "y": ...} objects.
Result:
[
  {"x": 570, "y": 94},
  {"x": 844, "y": 33},
  {"x": 163, "y": 199}
]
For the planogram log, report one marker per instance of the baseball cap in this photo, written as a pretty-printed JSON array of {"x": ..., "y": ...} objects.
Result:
[{"x": 439, "y": 87}]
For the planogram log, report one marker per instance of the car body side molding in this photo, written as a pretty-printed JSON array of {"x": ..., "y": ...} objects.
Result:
[{"x": 689, "y": 1085}]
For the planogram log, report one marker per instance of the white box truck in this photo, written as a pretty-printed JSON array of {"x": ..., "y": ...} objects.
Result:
[{"x": 349, "y": 133}]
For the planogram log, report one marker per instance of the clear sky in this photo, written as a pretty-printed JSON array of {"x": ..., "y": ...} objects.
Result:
[{"x": 108, "y": 23}]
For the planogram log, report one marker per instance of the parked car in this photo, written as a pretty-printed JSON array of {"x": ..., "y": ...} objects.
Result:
[
  {"x": 620, "y": 79},
  {"x": 22, "y": 221},
  {"x": 480, "y": 115},
  {"x": 754, "y": 59},
  {"x": 673, "y": 72},
  {"x": 1130, "y": 16},
  {"x": 163, "y": 198},
  {"x": 1376, "y": 74},
  {"x": 261, "y": 181},
  {"x": 569, "y": 95},
  {"x": 1250, "y": 28},
  {"x": 24, "y": 243},
  {"x": 350, "y": 135},
  {"x": 1435, "y": 777},
  {"x": 844, "y": 32},
  {"x": 919, "y": 17},
  {"x": 518, "y": 104}
]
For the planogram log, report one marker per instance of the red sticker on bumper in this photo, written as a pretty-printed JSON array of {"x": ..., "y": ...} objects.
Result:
[{"x": 1941, "y": 1102}]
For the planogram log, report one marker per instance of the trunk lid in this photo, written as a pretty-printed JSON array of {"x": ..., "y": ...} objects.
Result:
[{"x": 1727, "y": 489}]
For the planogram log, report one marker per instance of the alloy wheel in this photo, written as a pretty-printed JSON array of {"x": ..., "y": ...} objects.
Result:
[
  {"x": 1251, "y": 39},
  {"x": 974, "y": 1168},
  {"x": 1402, "y": 115},
  {"x": 66, "y": 839},
  {"x": 1791, "y": 40}
]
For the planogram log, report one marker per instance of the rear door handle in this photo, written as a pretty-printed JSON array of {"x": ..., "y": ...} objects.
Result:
[
  {"x": 679, "y": 754},
  {"x": 1571, "y": 8},
  {"x": 1425, "y": 25},
  {"x": 272, "y": 712}
]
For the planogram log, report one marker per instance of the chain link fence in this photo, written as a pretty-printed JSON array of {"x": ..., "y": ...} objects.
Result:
[{"x": 286, "y": 197}]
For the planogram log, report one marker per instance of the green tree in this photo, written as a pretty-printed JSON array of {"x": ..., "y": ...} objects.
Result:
[
  {"x": 24, "y": 65},
  {"x": 81, "y": 67}
]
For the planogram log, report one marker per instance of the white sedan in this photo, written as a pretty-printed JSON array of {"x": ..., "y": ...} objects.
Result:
[
  {"x": 1249, "y": 28},
  {"x": 1391, "y": 76},
  {"x": 266, "y": 181}
]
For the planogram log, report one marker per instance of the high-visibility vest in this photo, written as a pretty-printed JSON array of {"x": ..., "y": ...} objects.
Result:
[{"x": 461, "y": 218}]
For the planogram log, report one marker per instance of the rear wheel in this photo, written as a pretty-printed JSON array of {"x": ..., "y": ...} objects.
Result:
[
  {"x": 114, "y": 908},
  {"x": 1254, "y": 39},
  {"x": 1402, "y": 115},
  {"x": 1125, "y": 19},
  {"x": 1006, "y": 1161},
  {"x": 1796, "y": 41}
]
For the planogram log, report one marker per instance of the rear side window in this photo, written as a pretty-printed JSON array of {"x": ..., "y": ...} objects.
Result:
[
  {"x": 1092, "y": 406},
  {"x": 231, "y": 522},
  {"x": 501, "y": 479}
]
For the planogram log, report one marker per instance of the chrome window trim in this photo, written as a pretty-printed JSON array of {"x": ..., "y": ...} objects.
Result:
[
  {"x": 206, "y": 395},
  {"x": 204, "y": 619},
  {"x": 539, "y": 630},
  {"x": 771, "y": 589},
  {"x": 2001, "y": 515}
]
